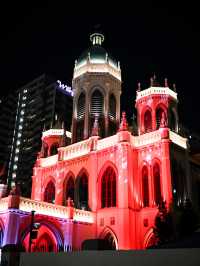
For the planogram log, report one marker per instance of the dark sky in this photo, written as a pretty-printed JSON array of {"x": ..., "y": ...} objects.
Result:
[{"x": 146, "y": 38}]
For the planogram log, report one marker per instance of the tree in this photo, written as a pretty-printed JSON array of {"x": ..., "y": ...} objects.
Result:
[{"x": 164, "y": 225}]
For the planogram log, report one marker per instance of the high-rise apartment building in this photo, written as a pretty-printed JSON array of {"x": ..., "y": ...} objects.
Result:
[{"x": 42, "y": 103}]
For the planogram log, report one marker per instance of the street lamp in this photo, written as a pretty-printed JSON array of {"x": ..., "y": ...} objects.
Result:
[{"x": 31, "y": 230}]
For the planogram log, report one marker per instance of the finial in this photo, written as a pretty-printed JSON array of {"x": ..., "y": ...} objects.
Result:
[
  {"x": 151, "y": 82},
  {"x": 139, "y": 86},
  {"x": 95, "y": 128},
  {"x": 174, "y": 87},
  {"x": 166, "y": 82},
  {"x": 75, "y": 63},
  {"x": 123, "y": 125},
  {"x": 44, "y": 128},
  {"x": 118, "y": 65},
  {"x": 88, "y": 58}
]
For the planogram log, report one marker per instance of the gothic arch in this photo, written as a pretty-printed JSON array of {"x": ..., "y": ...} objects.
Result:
[
  {"x": 82, "y": 189},
  {"x": 157, "y": 184},
  {"x": 54, "y": 148},
  {"x": 97, "y": 107},
  {"x": 55, "y": 234},
  {"x": 145, "y": 185},
  {"x": 49, "y": 191},
  {"x": 112, "y": 111},
  {"x": 99, "y": 88},
  {"x": 69, "y": 176},
  {"x": 103, "y": 170},
  {"x": 149, "y": 239},
  {"x": 80, "y": 115},
  {"x": 160, "y": 108},
  {"x": 146, "y": 119},
  {"x": 109, "y": 232}
]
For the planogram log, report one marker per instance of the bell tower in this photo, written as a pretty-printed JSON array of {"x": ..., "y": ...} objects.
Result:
[
  {"x": 156, "y": 107},
  {"x": 97, "y": 89}
]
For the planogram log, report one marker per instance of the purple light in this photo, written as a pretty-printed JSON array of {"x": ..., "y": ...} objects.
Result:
[{"x": 65, "y": 88}]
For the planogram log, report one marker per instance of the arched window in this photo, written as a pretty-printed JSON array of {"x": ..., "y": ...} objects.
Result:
[
  {"x": 80, "y": 117},
  {"x": 157, "y": 187},
  {"x": 108, "y": 188},
  {"x": 81, "y": 106},
  {"x": 97, "y": 108},
  {"x": 45, "y": 150},
  {"x": 159, "y": 113},
  {"x": 49, "y": 194},
  {"x": 82, "y": 192},
  {"x": 110, "y": 242},
  {"x": 147, "y": 121},
  {"x": 54, "y": 149},
  {"x": 112, "y": 107},
  {"x": 70, "y": 189},
  {"x": 97, "y": 103},
  {"x": 145, "y": 187}
]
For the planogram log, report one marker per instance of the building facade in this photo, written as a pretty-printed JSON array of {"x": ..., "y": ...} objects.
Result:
[
  {"x": 107, "y": 185},
  {"x": 39, "y": 105}
]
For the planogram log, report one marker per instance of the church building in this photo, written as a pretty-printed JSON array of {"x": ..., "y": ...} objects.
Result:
[{"x": 108, "y": 183}]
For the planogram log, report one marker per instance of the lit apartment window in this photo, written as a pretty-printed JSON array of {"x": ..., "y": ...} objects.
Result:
[
  {"x": 14, "y": 175},
  {"x": 15, "y": 167}
]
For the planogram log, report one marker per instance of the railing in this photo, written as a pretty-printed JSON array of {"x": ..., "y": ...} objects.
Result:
[
  {"x": 51, "y": 160},
  {"x": 146, "y": 139},
  {"x": 43, "y": 208},
  {"x": 76, "y": 150},
  {"x": 49, "y": 209},
  {"x": 95, "y": 67},
  {"x": 83, "y": 216},
  {"x": 53, "y": 132},
  {"x": 107, "y": 142},
  {"x": 177, "y": 139},
  {"x": 156, "y": 90}
]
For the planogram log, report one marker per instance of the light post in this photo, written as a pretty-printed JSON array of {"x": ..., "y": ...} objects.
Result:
[{"x": 31, "y": 230}]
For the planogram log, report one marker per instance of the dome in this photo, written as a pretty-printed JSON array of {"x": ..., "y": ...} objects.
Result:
[{"x": 96, "y": 53}]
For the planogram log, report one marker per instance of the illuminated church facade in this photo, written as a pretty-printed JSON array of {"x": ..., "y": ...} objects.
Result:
[{"x": 108, "y": 183}]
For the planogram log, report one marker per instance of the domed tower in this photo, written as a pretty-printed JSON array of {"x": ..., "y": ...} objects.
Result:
[
  {"x": 97, "y": 88},
  {"x": 156, "y": 107}
]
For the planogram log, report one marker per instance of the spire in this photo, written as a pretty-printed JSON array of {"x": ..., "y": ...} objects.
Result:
[
  {"x": 123, "y": 125},
  {"x": 166, "y": 82},
  {"x": 174, "y": 87},
  {"x": 95, "y": 128},
  {"x": 154, "y": 82},
  {"x": 139, "y": 87},
  {"x": 62, "y": 142}
]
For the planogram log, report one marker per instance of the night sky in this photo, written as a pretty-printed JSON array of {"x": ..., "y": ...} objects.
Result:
[{"x": 145, "y": 38}]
